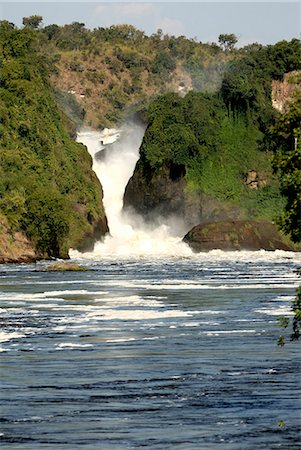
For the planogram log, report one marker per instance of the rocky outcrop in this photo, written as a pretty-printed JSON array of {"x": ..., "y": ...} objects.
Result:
[
  {"x": 254, "y": 181},
  {"x": 65, "y": 267},
  {"x": 99, "y": 228},
  {"x": 164, "y": 194},
  {"x": 283, "y": 91},
  {"x": 241, "y": 235},
  {"x": 15, "y": 247}
]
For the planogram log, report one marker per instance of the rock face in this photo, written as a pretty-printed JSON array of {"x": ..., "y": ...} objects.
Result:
[
  {"x": 87, "y": 241},
  {"x": 165, "y": 194},
  {"x": 157, "y": 195},
  {"x": 283, "y": 91},
  {"x": 15, "y": 247},
  {"x": 241, "y": 235}
]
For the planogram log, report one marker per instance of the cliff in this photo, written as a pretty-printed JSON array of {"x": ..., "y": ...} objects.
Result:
[
  {"x": 208, "y": 158},
  {"x": 201, "y": 165},
  {"x": 50, "y": 198},
  {"x": 283, "y": 91}
]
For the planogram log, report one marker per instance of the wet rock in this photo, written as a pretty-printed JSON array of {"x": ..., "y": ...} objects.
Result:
[
  {"x": 164, "y": 194},
  {"x": 65, "y": 267},
  {"x": 240, "y": 235}
]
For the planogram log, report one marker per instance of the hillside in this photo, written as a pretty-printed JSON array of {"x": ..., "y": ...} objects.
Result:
[
  {"x": 206, "y": 153},
  {"x": 107, "y": 73},
  {"x": 48, "y": 191},
  {"x": 203, "y": 165},
  {"x": 207, "y": 158}
]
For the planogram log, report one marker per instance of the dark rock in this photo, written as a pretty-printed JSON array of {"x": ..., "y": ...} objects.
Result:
[
  {"x": 164, "y": 193},
  {"x": 240, "y": 235},
  {"x": 99, "y": 230}
]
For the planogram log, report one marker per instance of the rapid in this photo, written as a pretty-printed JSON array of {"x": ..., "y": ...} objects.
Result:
[{"x": 153, "y": 347}]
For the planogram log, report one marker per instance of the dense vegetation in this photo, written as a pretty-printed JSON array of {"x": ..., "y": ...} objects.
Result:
[
  {"x": 214, "y": 150},
  {"x": 216, "y": 139},
  {"x": 111, "y": 71},
  {"x": 287, "y": 162},
  {"x": 47, "y": 187},
  {"x": 97, "y": 76}
]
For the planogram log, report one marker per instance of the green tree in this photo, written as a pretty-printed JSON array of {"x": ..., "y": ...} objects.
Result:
[
  {"x": 227, "y": 41},
  {"x": 34, "y": 22},
  {"x": 47, "y": 222},
  {"x": 287, "y": 162},
  {"x": 51, "y": 31},
  {"x": 47, "y": 187}
]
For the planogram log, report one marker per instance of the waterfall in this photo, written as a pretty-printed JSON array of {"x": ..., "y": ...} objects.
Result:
[{"x": 115, "y": 153}]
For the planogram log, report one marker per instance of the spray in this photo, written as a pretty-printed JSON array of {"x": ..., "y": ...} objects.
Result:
[{"x": 115, "y": 153}]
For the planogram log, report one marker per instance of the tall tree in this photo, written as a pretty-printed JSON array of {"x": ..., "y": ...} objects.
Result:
[
  {"x": 34, "y": 22},
  {"x": 227, "y": 41}
]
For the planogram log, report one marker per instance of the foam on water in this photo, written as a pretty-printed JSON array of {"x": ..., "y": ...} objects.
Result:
[
  {"x": 73, "y": 345},
  {"x": 136, "y": 314},
  {"x": 7, "y": 336},
  {"x": 276, "y": 311},
  {"x": 129, "y": 235}
]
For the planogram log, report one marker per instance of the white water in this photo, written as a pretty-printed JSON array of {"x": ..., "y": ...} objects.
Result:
[{"x": 129, "y": 235}]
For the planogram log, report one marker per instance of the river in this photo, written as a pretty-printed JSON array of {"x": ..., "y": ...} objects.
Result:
[
  {"x": 174, "y": 353},
  {"x": 153, "y": 347}
]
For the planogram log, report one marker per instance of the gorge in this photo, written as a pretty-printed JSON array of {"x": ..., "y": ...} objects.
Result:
[
  {"x": 205, "y": 156},
  {"x": 129, "y": 234},
  {"x": 145, "y": 339}
]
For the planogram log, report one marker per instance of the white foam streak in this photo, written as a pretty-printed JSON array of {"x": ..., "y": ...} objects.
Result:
[
  {"x": 7, "y": 336},
  {"x": 281, "y": 311},
  {"x": 71, "y": 345},
  {"x": 136, "y": 315}
]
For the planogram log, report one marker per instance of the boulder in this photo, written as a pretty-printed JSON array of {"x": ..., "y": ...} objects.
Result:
[
  {"x": 236, "y": 235},
  {"x": 65, "y": 267}
]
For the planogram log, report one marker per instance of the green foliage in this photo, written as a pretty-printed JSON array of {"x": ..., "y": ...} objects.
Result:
[
  {"x": 163, "y": 62},
  {"x": 13, "y": 206},
  {"x": 227, "y": 41},
  {"x": 287, "y": 162},
  {"x": 247, "y": 82},
  {"x": 293, "y": 324},
  {"x": 46, "y": 221},
  {"x": 296, "y": 326},
  {"x": 47, "y": 188},
  {"x": 215, "y": 150},
  {"x": 32, "y": 21}
]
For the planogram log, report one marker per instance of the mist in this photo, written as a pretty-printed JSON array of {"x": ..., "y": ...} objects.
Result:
[{"x": 115, "y": 153}]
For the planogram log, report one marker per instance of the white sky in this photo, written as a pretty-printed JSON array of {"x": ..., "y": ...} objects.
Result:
[{"x": 257, "y": 21}]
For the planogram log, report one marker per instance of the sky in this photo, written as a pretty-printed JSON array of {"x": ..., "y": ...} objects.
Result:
[{"x": 264, "y": 22}]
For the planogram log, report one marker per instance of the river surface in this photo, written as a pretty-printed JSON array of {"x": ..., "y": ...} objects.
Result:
[{"x": 158, "y": 353}]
